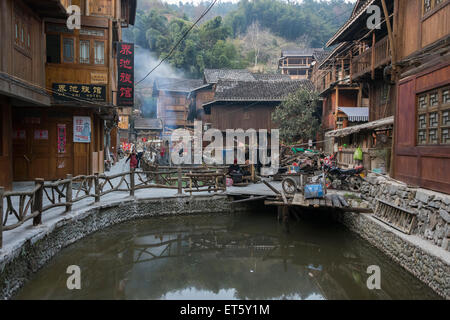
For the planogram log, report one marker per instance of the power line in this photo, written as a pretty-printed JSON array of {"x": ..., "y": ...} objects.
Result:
[{"x": 179, "y": 41}]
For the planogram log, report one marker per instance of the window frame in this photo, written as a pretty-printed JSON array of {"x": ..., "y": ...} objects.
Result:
[
  {"x": 21, "y": 30},
  {"x": 438, "y": 108},
  {"x": 81, "y": 40},
  {"x": 64, "y": 38},
  {"x": 95, "y": 52},
  {"x": 54, "y": 29}
]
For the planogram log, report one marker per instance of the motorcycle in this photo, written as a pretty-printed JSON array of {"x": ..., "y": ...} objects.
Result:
[{"x": 343, "y": 179}]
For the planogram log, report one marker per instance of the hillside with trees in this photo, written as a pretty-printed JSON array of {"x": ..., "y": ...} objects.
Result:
[{"x": 240, "y": 35}]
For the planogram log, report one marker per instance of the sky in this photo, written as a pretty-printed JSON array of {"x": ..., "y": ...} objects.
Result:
[{"x": 198, "y": 1}]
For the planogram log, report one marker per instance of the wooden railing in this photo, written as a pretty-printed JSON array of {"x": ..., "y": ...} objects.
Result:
[
  {"x": 64, "y": 193},
  {"x": 362, "y": 64}
]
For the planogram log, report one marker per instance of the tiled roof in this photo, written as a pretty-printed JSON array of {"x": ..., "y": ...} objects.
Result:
[
  {"x": 272, "y": 77},
  {"x": 177, "y": 85},
  {"x": 214, "y": 75},
  {"x": 299, "y": 51},
  {"x": 319, "y": 56},
  {"x": 258, "y": 90},
  {"x": 147, "y": 124}
]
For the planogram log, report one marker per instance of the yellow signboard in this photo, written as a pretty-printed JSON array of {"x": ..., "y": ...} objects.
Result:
[
  {"x": 99, "y": 78},
  {"x": 123, "y": 122}
]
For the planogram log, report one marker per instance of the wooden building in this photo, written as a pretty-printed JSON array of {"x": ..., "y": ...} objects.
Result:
[
  {"x": 71, "y": 75},
  {"x": 249, "y": 104},
  {"x": 206, "y": 93},
  {"x": 173, "y": 101},
  {"x": 22, "y": 73},
  {"x": 422, "y": 72},
  {"x": 297, "y": 62},
  {"x": 404, "y": 66},
  {"x": 354, "y": 75},
  {"x": 148, "y": 129}
]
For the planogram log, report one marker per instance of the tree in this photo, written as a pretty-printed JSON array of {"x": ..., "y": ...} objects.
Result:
[
  {"x": 253, "y": 30},
  {"x": 295, "y": 116}
]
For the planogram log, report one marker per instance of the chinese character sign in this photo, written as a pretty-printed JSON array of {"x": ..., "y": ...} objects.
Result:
[
  {"x": 65, "y": 92},
  {"x": 61, "y": 138},
  {"x": 125, "y": 61},
  {"x": 82, "y": 129}
]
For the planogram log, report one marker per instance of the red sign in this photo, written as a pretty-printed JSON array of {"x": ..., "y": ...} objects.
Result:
[
  {"x": 61, "y": 138},
  {"x": 125, "y": 60}
]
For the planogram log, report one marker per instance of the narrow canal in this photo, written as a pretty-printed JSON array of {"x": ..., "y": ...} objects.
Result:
[{"x": 236, "y": 256}]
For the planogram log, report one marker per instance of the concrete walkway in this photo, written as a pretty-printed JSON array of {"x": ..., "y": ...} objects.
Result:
[{"x": 15, "y": 237}]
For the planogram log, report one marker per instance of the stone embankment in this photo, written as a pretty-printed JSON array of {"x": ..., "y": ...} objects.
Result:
[
  {"x": 425, "y": 252},
  {"x": 35, "y": 246},
  {"x": 432, "y": 208}
]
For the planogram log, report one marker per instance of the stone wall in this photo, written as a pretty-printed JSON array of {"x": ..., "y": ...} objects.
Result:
[
  {"x": 428, "y": 263},
  {"x": 432, "y": 208},
  {"x": 21, "y": 260}
]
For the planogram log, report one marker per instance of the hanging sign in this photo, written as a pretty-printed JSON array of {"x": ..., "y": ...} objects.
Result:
[
  {"x": 82, "y": 129},
  {"x": 61, "y": 129},
  {"x": 125, "y": 62},
  {"x": 65, "y": 92}
]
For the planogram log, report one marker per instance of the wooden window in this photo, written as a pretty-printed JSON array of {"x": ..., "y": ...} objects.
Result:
[
  {"x": 429, "y": 5},
  {"x": 53, "y": 48},
  {"x": 433, "y": 117},
  {"x": 16, "y": 30},
  {"x": 68, "y": 50},
  {"x": 99, "y": 52},
  {"x": 85, "y": 51}
]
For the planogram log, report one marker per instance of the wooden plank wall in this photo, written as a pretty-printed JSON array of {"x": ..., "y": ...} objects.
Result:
[
  {"x": 242, "y": 117},
  {"x": 5, "y": 145},
  {"x": 416, "y": 31},
  {"x": 424, "y": 166},
  {"x": 28, "y": 63}
]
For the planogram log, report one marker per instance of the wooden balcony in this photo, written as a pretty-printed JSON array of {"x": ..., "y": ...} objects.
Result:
[{"x": 366, "y": 63}]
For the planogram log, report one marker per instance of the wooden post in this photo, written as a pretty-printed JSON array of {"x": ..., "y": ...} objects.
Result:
[
  {"x": 37, "y": 203},
  {"x": 180, "y": 181},
  {"x": 69, "y": 193},
  {"x": 2, "y": 190},
  {"x": 373, "y": 55},
  {"x": 351, "y": 66},
  {"x": 390, "y": 35},
  {"x": 97, "y": 187},
  {"x": 132, "y": 182},
  {"x": 190, "y": 183}
]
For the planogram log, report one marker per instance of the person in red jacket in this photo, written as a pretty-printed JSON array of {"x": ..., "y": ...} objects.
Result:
[{"x": 133, "y": 159}]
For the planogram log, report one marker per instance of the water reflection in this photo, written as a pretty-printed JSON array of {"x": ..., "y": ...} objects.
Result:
[{"x": 244, "y": 256}]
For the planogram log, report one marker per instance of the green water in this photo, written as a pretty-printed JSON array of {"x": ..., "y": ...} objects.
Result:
[{"x": 236, "y": 256}]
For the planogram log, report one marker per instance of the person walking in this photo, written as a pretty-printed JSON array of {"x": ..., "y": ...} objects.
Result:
[{"x": 133, "y": 159}]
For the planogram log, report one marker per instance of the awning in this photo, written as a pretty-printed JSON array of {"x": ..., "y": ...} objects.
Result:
[
  {"x": 386, "y": 122},
  {"x": 356, "y": 114}
]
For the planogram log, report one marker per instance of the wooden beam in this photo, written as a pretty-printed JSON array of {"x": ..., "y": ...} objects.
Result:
[
  {"x": 271, "y": 187},
  {"x": 250, "y": 199},
  {"x": 390, "y": 34},
  {"x": 373, "y": 54}
]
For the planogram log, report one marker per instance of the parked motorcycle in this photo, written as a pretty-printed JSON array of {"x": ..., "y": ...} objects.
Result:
[{"x": 343, "y": 179}]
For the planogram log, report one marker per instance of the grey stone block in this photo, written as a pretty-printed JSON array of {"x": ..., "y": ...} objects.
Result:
[
  {"x": 445, "y": 215},
  {"x": 421, "y": 196}
]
